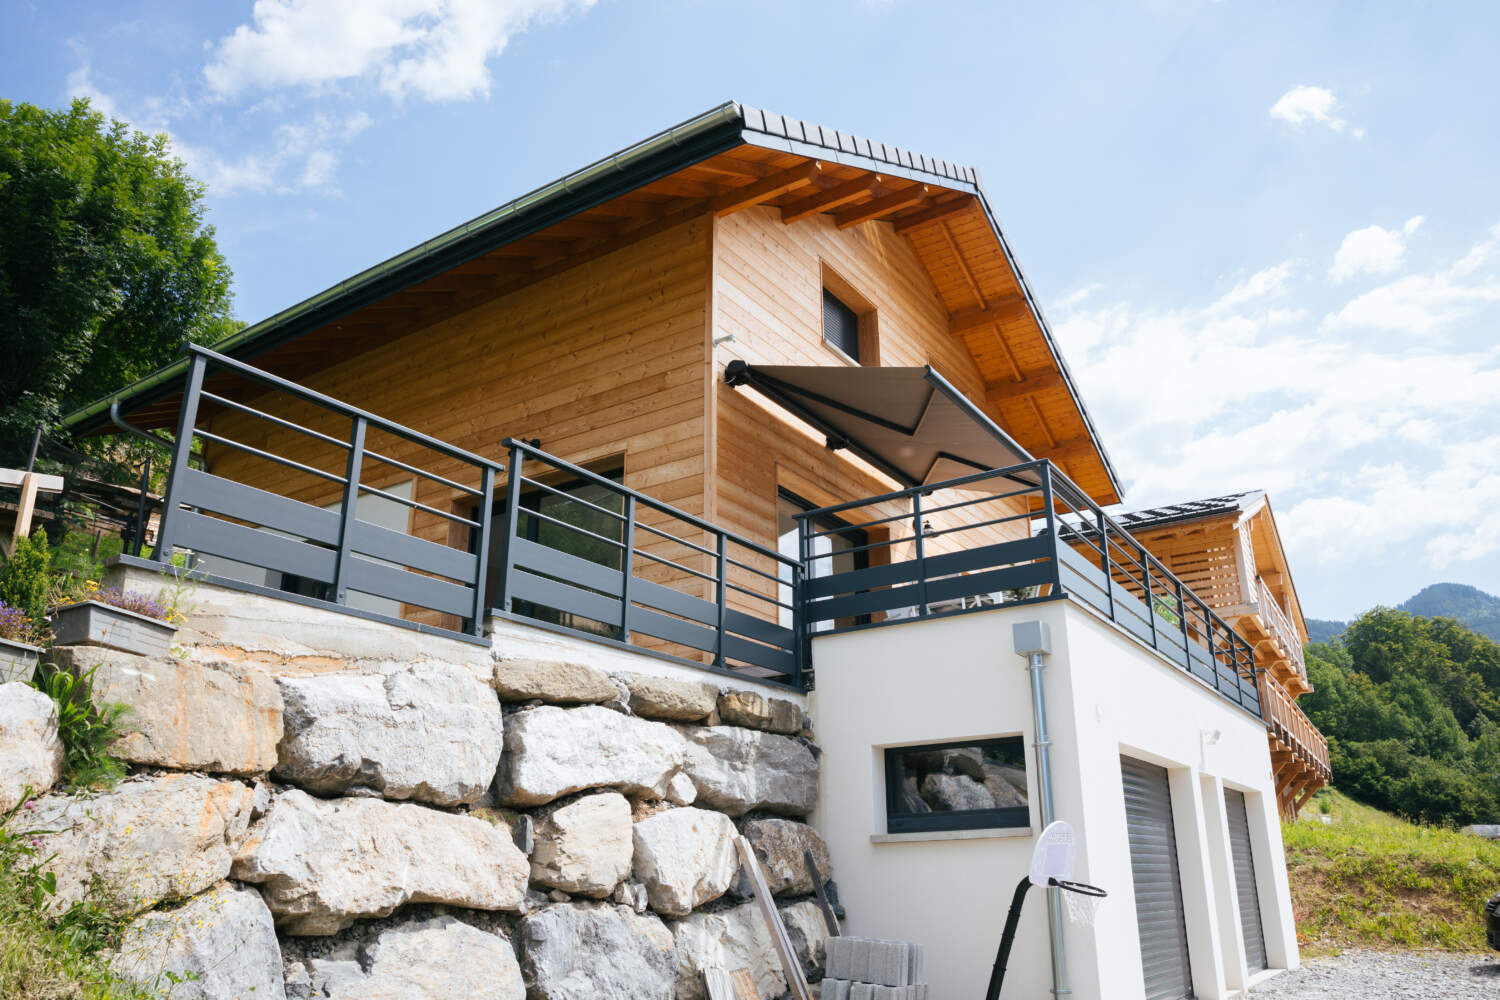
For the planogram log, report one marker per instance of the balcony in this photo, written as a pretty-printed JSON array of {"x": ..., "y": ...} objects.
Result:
[
  {"x": 1299, "y": 752},
  {"x": 544, "y": 542},
  {"x": 1276, "y": 639}
]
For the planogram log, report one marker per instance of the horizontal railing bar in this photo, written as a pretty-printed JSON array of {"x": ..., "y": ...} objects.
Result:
[
  {"x": 528, "y": 512},
  {"x": 940, "y": 532},
  {"x": 301, "y": 392},
  {"x": 422, "y": 472},
  {"x": 417, "y": 506},
  {"x": 762, "y": 597},
  {"x": 268, "y": 456},
  {"x": 271, "y": 417},
  {"x": 869, "y": 546},
  {"x": 676, "y": 539},
  {"x": 573, "y": 499},
  {"x": 641, "y": 498},
  {"x": 926, "y": 490},
  {"x": 665, "y": 561},
  {"x": 751, "y": 569}
]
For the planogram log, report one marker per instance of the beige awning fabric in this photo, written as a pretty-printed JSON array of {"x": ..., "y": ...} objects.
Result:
[{"x": 908, "y": 422}]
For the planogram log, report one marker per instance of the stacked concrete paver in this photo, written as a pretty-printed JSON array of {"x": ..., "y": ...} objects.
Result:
[{"x": 870, "y": 969}]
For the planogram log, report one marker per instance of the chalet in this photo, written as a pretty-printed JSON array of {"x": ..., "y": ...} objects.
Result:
[{"x": 761, "y": 400}]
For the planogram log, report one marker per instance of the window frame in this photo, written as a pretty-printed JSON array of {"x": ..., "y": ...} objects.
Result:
[{"x": 1005, "y": 818}]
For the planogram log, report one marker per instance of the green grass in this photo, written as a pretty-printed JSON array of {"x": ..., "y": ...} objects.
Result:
[{"x": 1366, "y": 879}]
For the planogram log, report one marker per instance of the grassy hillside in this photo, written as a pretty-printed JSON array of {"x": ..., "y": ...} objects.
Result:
[{"x": 1365, "y": 879}]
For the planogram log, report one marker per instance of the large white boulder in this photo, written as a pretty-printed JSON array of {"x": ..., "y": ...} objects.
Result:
[
  {"x": 220, "y": 945},
  {"x": 431, "y": 732},
  {"x": 322, "y": 864},
  {"x": 593, "y": 951},
  {"x": 31, "y": 754},
  {"x": 782, "y": 846},
  {"x": 808, "y": 933},
  {"x": 551, "y": 752},
  {"x": 438, "y": 957},
  {"x": 736, "y": 938},
  {"x": 146, "y": 840},
  {"x": 685, "y": 858},
  {"x": 736, "y": 770},
  {"x": 188, "y": 716},
  {"x": 754, "y": 710},
  {"x": 584, "y": 847}
]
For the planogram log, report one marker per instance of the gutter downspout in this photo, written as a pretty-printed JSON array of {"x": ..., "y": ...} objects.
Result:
[{"x": 1033, "y": 642}]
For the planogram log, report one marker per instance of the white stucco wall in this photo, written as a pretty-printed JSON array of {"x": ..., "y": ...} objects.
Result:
[{"x": 932, "y": 681}]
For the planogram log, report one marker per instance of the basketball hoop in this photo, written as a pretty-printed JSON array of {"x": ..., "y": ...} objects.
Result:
[
  {"x": 1080, "y": 901},
  {"x": 1052, "y": 868}
]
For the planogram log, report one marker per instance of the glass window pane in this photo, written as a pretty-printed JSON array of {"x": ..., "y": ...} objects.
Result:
[{"x": 981, "y": 783}]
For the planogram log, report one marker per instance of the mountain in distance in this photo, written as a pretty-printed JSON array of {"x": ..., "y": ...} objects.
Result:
[{"x": 1476, "y": 610}]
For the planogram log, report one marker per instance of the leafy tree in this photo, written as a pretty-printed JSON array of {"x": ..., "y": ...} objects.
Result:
[
  {"x": 1409, "y": 707},
  {"x": 106, "y": 265}
]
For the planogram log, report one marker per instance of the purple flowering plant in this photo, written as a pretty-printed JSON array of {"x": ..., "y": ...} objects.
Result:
[{"x": 17, "y": 627}]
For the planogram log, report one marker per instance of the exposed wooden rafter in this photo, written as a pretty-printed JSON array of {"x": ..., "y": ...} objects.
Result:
[
  {"x": 1009, "y": 308},
  {"x": 1033, "y": 382},
  {"x": 881, "y": 206},
  {"x": 767, "y": 188},
  {"x": 941, "y": 210},
  {"x": 823, "y": 201}
]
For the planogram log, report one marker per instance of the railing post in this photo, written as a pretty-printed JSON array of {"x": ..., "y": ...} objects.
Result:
[
  {"x": 142, "y": 511},
  {"x": 627, "y": 568},
  {"x": 1187, "y": 657},
  {"x": 721, "y": 596},
  {"x": 482, "y": 552},
  {"x": 1051, "y": 529},
  {"x": 187, "y": 419},
  {"x": 1144, "y": 559},
  {"x": 341, "y": 564},
  {"x": 921, "y": 554},
  {"x": 1106, "y": 563},
  {"x": 802, "y": 647},
  {"x": 512, "y": 519}
]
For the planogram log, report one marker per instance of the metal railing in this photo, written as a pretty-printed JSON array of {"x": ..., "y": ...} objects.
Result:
[
  {"x": 1281, "y": 628},
  {"x": 1015, "y": 534},
  {"x": 330, "y": 553},
  {"x": 626, "y": 568}
]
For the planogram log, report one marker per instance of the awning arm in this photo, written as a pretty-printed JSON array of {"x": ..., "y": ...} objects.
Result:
[{"x": 738, "y": 373}]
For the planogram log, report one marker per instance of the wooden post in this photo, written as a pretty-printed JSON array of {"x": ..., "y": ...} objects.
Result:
[{"x": 26, "y": 508}]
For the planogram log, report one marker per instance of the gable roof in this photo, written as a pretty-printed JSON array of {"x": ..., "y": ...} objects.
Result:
[{"x": 727, "y": 158}]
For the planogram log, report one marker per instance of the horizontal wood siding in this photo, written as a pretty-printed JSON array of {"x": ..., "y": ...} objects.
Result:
[{"x": 601, "y": 360}]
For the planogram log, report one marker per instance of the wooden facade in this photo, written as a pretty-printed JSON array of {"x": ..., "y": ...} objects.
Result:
[{"x": 1233, "y": 558}]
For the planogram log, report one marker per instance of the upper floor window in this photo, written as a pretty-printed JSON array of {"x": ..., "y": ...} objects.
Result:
[{"x": 840, "y": 326}]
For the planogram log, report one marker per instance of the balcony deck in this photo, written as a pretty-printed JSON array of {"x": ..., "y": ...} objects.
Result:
[{"x": 625, "y": 569}]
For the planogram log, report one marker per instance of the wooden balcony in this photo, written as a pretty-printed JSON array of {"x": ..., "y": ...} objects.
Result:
[
  {"x": 1278, "y": 645},
  {"x": 1299, "y": 752}
]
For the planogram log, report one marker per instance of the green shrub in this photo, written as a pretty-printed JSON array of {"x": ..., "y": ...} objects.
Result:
[
  {"x": 26, "y": 576},
  {"x": 85, "y": 728}
]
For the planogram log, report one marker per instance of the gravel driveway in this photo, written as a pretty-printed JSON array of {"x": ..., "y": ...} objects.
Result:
[{"x": 1373, "y": 975}]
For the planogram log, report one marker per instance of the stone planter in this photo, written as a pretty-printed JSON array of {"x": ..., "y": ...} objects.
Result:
[
  {"x": 17, "y": 661},
  {"x": 99, "y": 624}
]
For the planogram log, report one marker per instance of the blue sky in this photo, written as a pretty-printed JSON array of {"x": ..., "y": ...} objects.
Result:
[{"x": 1266, "y": 234}]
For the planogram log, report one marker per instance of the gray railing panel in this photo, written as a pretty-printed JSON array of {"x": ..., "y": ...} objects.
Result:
[
  {"x": 527, "y": 586},
  {"x": 410, "y": 588},
  {"x": 417, "y": 553},
  {"x": 759, "y": 629},
  {"x": 228, "y": 540},
  {"x": 258, "y": 507},
  {"x": 554, "y": 562}
]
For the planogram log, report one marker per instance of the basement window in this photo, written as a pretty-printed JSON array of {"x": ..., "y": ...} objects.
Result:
[{"x": 964, "y": 785}]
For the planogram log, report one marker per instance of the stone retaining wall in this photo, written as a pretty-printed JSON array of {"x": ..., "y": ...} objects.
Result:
[{"x": 325, "y": 807}]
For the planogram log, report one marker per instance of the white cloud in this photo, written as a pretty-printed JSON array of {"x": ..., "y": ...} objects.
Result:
[
  {"x": 1372, "y": 250},
  {"x": 1366, "y": 444},
  {"x": 433, "y": 49},
  {"x": 1424, "y": 303},
  {"x": 1304, "y": 105}
]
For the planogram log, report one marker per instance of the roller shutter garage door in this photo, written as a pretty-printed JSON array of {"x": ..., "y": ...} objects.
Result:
[
  {"x": 1244, "y": 880},
  {"x": 1158, "y": 886}
]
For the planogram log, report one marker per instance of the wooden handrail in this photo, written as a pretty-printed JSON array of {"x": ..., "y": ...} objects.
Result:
[
  {"x": 1292, "y": 725},
  {"x": 1281, "y": 628}
]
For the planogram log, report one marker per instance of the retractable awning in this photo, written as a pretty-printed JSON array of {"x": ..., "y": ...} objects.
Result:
[{"x": 908, "y": 422}]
